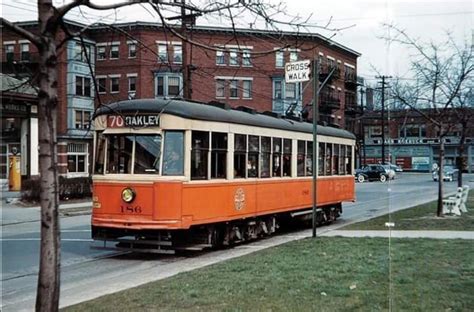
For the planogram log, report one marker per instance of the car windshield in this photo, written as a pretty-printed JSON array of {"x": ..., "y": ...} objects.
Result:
[{"x": 448, "y": 168}]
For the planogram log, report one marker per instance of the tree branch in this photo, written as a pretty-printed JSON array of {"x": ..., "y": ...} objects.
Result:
[{"x": 21, "y": 32}]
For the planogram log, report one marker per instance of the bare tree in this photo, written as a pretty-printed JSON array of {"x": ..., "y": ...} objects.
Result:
[
  {"x": 52, "y": 33},
  {"x": 441, "y": 77}
]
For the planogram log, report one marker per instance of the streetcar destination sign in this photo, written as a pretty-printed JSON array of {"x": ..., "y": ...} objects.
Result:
[
  {"x": 297, "y": 71},
  {"x": 133, "y": 121}
]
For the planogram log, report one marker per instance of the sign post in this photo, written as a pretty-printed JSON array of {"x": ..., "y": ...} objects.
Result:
[
  {"x": 300, "y": 72},
  {"x": 315, "y": 69}
]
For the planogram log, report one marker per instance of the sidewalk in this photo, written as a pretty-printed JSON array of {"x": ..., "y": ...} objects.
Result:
[
  {"x": 15, "y": 213},
  {"x": 404, "y": 234}
]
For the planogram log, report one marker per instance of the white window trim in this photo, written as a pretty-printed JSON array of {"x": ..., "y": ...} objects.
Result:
[
  {"x": 174, "y": 54},
  {"x": 236, "y": 57},
  {"x": 129, "y": 43},
  {"x": 9, "y": 42},
  {"x": 132, "y": 75},
  {"x": 232, "y": 78},
  {"x": 100, "y": 44},
  {"x": 243, "y": 91},
  {"x": 349, "y": 65},
  {"x": 24, "y": 41},
  {"x": 330, "y": 58},
  {"x": 321, "y": 53}
]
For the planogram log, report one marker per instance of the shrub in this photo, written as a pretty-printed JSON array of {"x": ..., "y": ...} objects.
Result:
[{"x": 69, "y": 188}]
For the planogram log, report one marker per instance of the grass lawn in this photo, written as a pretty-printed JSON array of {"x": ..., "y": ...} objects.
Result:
[
  {"x": 323, "y": 274},
  {"x": 422, "y": 217}
]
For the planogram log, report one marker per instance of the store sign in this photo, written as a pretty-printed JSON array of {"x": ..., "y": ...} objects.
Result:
[
  {"x": 135, "y": 121},
  {"x": 297, "y": 71}
]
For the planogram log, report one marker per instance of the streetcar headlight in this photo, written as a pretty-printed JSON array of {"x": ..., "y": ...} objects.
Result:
[{"x": 128, "y": 195}]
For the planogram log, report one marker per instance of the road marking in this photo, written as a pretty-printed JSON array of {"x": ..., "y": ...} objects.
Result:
[{"x": 38, "y": 239}]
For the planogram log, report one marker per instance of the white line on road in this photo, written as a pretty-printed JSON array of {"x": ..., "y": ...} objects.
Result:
[{"x": 38, "y": 239}]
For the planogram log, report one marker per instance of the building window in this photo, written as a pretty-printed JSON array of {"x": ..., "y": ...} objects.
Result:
[
  {"x": 169, "y": 85},
  {"x": 277, "y": 95},
  {"x": 246, "y": 60},
  {"x": 233, "y": 58},
  {"x": 177, "y": 54},
  {"x": 101, "y": 85},
  {"x": 279, "y": 59},
  {"x": 82, "y": 119},
  {"x": 163, "y": 53},
  {"x": 114, "y": 51},
  {"x": 9, "y": 52},
  {"x": 199, "y": 155},
  {"x": 77, "y": 158},
  {"x": 233, "y": 88},
  {"x": 219, "y": 156},
  {"x": 82, "y": 53},
  {"x": 114, "y": 84},
  {"x": 25, "y": 52},
  {"x": 132, "y": 50},
  {"x": 132, "y": 84},
  {"x": 101, "y": 54},
  {"x": 83, "y": 86},
  {"x": 293, "y": 56},
  {"x": 220, "y": 58},
  {"x": 290, "y": 90},
  {"x": 247, "y": 89},
  {"x": 220, "y": 88}
]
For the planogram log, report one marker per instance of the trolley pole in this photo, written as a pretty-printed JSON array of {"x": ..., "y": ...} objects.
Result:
[{"x": 315, "y": 74}]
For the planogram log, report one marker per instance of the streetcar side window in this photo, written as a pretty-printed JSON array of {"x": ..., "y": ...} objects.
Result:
[
  {"x": 322, "y": 153},
  {"x": 173, "y": 153},
  {"x": 119, "y": 152},
  {"x": 309, "y": 158},
  {"x": 300, "y": 159},
  {"x": 100, "y": 154},
  {"x": 147, "y": 154},
  {"x": 328, "y": 158},
  {"x": 349, "y": 160},
  {"x": 265, "y": 157},
  {"x": 252, "y": 161},
  {"x": 342, "y": 156},
  {"x": 287, "y": 145},
  {"x": 240, "y": 152},
  {"x": 219, "y": 156},
  {"x": 335, "y": 160},
  {"x": 199, "y": 155},
  {"x": 277, "y": 149}
]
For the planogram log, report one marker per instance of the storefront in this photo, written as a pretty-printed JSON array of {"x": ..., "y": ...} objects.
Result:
[{"x": 19, "y": 134}]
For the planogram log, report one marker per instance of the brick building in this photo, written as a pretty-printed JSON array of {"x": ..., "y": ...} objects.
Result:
[
  {"x": 411, "y": 141},
  {"x": 142, "y": 60}
]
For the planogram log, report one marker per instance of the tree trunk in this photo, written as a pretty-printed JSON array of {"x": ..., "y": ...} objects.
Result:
[
  {"x": 47, "y": 296},
  {"x": 440, "y": 177}
]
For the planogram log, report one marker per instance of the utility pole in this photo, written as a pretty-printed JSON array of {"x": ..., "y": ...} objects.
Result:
[
  {"x": 362, "y": 130},
  {"x": 315, "y": 74},
  {"x": 185, "y": 20},
  {"x": 383, "y": 114}
]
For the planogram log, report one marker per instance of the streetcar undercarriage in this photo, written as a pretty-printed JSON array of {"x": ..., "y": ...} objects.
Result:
[{"x": 207, "y": 236}]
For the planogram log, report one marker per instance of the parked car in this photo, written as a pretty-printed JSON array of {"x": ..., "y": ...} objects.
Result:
[
  {"x": 450, "y": 173},
  {"x": 371, "y": 173},
  {"x": 390, "y": 171},
  {"x": 395, "y": 168}
]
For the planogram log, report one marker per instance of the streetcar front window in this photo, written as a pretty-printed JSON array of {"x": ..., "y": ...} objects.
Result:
[
  {"x": 147, "y": 154},
  {"x": 118, "y": 151}
]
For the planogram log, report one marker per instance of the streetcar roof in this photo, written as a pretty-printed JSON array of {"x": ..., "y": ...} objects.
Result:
[{"x": 216, "y": 113}]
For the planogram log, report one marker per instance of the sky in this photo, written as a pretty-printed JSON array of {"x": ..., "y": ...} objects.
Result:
[{"x": 362, "y": 22}]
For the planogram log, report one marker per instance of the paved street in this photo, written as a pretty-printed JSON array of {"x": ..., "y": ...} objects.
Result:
[{"x": 88, "y": 273}]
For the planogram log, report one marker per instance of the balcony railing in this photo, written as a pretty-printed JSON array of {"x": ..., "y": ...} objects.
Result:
[{"x": 329, "y": 101}]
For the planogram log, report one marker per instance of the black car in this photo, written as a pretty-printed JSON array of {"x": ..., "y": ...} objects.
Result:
[{"x": 371, "y": 173}]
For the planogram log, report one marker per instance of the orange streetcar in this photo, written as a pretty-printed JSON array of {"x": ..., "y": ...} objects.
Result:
[{"x": 172, "y": 174}]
